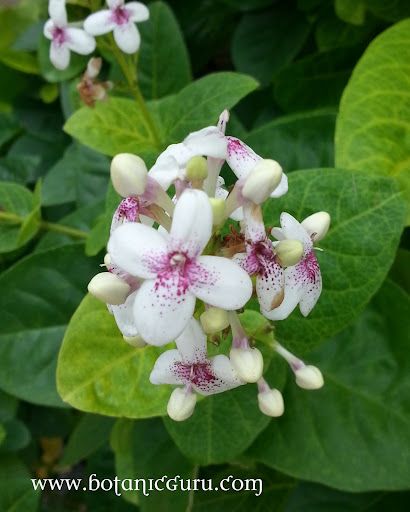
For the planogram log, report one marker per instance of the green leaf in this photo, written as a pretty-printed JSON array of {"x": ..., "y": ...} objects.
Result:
[
  {"x": 9, "y": 127},
  {"x": 81, "y": 175},
  {"x": 78, "y": 63},
  {"x": 19, "y": 168},
  {"x": 91, "y": 432},
  {"x": 38, "y": 295},
  {"x": 249, "y": 5},
  {"x": 17, "y": 436},
  {"x": 268, "y": 40},
  {"x": 17, "y": 203},
  {"x": 200, "y": 103},
  {"x": 262, "y": 490},
  {"x": 316, "y": 81},
  {"x": 8, "y": 406},
  {"x": 351, "y": 11},
  {"x": 332, "y": 436},
  {"x": 16, "y": 490},
  {"x": 98, "y": 236},
  {"x": 21, "y": 61},
  {"x": 143, "y": 449},
  {"x": 111, "y": 128},
  {"x": 391, "y": 11},
  {"x": 99, "y": 372},
  {"x": 317, "y": 498},
  {"x": 162, "y": 47},
  {"x": 366, "y": 219},
  {"x": 297, "y": 141},
  {"x": 32, "y": 222},
  {"x": 373, "y": 127},
  {"x": 2, "y": 434}
]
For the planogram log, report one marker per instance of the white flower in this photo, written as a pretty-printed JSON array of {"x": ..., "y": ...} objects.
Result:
[
  {"x": 171, "y": 163},
  {"x": 303, "y": 282},
  {"x": 189, "y": 365},
  {"x": 242, "y": 159},
  {"x": 174, "y": 272},
  {"x": 64, "y": 38},
  {"x": 119, "y": 18}
]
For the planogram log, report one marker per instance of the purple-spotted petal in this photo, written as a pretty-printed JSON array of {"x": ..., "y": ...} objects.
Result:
[
  {"x": 168, "y": 369},
  {"x": 163, "y": 308},
  {"x": 293, "y": 294},
  {"x": 254, "y": 225},
  {"x": 124, "y": 316},
  {"x": 79, "y": 41},
  {"x": 214, "y": 376},
  {"x": 241, "y": 158},
  {"x": 57, "y": 12},
  {"x": 127, "y": 37},
  {"x": 139, "y": 11},
  {"x": 99, "y": 23},
  {"x": 192, "y": 343},
  {"x": 191, "y": 224},
  {"x": 209, "y": 141},
  {"x": 59, "y": 55},
  {"x": 313, "y": 286},
  {"x": 138, "y": 250},
  {"x": 220, "y": 282},
  {"x": 270, "y": 285},
  {"x": 292, "y": 230}
]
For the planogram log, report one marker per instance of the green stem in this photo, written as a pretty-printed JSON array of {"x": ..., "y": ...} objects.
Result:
[{"x": 48, "y": 226}]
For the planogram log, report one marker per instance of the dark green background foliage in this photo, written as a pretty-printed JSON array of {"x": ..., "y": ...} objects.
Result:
[{"x": 321, "y": 86}]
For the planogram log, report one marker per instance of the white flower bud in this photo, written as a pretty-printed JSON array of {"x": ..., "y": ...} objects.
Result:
[
  {"x": 262, "y": 181},
  {"x": 109, "y": 288},
  {"x": 317, "y": 223},
  {"x": 94, "y": 67},
  {"x": 289, "y": 252},
  {"x": 214, "y": 320},
  {"x": 196, "y": 168},
  {"x": 271, "y": 403},
  {"x": 218, "y": 211},
  {"x": 181, "y": 404},
  {"x": 247, "y": 363},
  {"x": 135, "y": 341},
  {"x": 309, "y": 377},
  {"x": 129, "y": 174}
]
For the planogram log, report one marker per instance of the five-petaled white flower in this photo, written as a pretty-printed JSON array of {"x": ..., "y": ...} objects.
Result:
[
  {"x": 175, "y": 273},
  {"x": 119, "y": 18},
  {"x": 303, "y": 282},
  {"x": 63, "y": 37},
  {"x": 189, "y": 365}
]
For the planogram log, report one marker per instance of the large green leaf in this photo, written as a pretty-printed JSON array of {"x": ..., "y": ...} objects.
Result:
[
  {"x": 162, "y": 48},
  {"x": 351, "y": 11},
  {"x": 297, "y": 141},
  {"x": 18, "y": 168},
  {"x": 16, "y": 438},
  {"x": 143, "y": 449},
  {"x": 38, "y": 295},
  {"x": 268, "y": 40},
  {"x": 16, "y": 490},
  {"x": 9, "y": 127},
  {"x": 359, "y": 249},
  {"x": 99, "y": 372},
  {"x": 81, "y": 175},
  {"x": 391, "y": 11},
  {"x": 353, "y": 434},
  {"x": 373, "y": 127},
  {"x": 315, "y": 81}
]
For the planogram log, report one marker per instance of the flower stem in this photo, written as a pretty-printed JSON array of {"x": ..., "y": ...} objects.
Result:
[{"x": 47, "y": 226}]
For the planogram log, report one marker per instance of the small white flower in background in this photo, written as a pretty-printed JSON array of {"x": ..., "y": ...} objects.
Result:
[
  {"x": 175, "y": 273},
  {"x": 303, "y": 282},
  {"x": 119, "y": 18},
  {"x": 63, "y": 37}
]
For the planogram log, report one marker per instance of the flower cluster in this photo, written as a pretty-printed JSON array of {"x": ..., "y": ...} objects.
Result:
[
  {"x": 158, "y": 281},
  {"x": 119, "y": 18}
]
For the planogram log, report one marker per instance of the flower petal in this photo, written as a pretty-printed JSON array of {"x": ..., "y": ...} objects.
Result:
[
  {"x": 138, "y": 249},
  {"x": 139, "y": 11},
  {"x": 162, "y": 309},
  {"x": 313, "y": 285},
  {"x": 80, "y": 42},
  {"x": 127, "y": 37},
  {"x": 114, "y": 4},
  {"x": 192, "y": 343},
  {"x": 216, "y": 376},
  {"x": 209, "y": 141},
  {"x": 124, "y": 316},
  {"x": 191, "y": 224},
  {"x": 278, "y": 233},
  {"x": 221, "y": 193},
  {"x": 165, "y": 170},
  {"x": 59, "y": 55},
  {"x": 282, "y": 188},
  {"x": 99, "y": 23},
  {"x": 167, "y": 369},
  {"x": 241, "y": 158},
  {"x": 48, "y": 29},
  {"x": 270, "y": 284},
  {"x": 294, "y": 283},
  {"x": 293, "y": 230},
  {"x": 57, "y": 12},
  {"x": 220, "y": 282}
]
